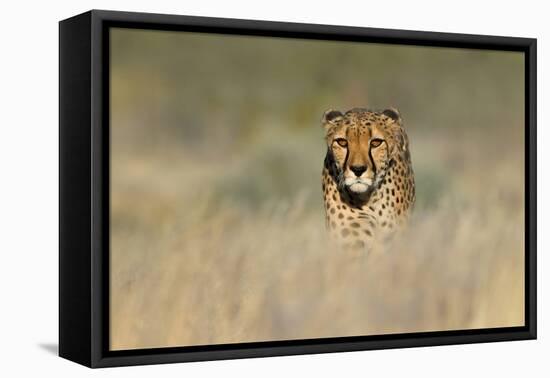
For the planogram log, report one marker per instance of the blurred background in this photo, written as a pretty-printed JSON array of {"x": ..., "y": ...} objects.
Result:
[{"x": 217, "y": 223}]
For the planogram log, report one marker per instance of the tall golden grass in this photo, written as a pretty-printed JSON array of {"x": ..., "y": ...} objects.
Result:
[{"x": 193, "y": 262}]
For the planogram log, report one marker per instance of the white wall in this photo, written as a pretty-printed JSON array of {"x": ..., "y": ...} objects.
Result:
[{"x": 28, "y": 151}]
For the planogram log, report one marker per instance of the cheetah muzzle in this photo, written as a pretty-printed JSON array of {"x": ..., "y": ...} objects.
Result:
[{"x": 368, "y": 180}]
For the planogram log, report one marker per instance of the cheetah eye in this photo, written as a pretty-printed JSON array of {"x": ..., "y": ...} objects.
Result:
[
  {"x": 342, "y": 142},
  {"x": 376, "y": 142}
]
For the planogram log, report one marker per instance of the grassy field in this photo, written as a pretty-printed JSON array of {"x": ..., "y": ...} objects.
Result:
[
  {"x": 189, "y": 267},
  {"x": 217, "y": 226}
]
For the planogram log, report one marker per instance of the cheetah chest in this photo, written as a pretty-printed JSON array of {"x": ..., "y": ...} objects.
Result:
[{"x": 360, "y": 223}]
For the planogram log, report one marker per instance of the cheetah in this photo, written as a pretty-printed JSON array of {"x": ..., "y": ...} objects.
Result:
[{"x": 368, "y": 180}]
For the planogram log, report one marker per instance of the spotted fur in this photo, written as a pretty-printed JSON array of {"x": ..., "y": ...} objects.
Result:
[{"x": 368, "y": 180}]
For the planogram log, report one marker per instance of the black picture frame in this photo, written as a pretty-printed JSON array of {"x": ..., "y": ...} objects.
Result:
[{"x": 84, "y": 188}]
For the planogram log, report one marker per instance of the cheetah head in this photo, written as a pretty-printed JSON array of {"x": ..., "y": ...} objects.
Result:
[{"x": 361, "y": 144}]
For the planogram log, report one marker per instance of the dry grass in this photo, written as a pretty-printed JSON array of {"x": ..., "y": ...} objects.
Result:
[{"x": 192, "y": 262}]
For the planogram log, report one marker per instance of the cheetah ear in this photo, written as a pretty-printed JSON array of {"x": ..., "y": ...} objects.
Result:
[
  {"x": 330, "y": 118},
  {"x": 393, "y": 113}
]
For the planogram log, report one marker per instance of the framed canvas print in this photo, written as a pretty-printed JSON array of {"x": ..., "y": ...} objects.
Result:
[{"x": 234, "y": 188}]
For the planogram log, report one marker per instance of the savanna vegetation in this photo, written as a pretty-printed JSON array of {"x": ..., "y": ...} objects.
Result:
[{"x": 217, "y": 225}]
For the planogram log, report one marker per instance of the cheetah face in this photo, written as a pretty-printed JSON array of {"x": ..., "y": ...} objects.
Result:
[{"x": 360, "y": 148}]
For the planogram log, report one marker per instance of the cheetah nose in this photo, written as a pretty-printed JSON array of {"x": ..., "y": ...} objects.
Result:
[{"x": 358, "y": 169}]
